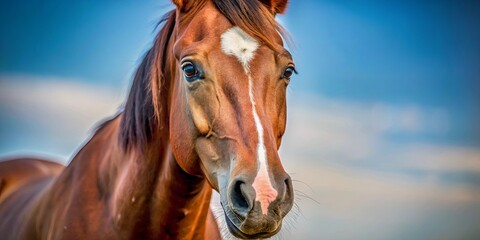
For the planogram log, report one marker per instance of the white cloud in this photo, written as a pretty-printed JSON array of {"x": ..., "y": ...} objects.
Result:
[
  {"x": 60, "y": 113},
  {"x": 333, "y": 131},
  {"x": 440, "y": 158}
]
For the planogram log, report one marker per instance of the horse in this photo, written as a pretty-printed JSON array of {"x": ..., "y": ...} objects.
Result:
[{"x": 206, "y": 111}]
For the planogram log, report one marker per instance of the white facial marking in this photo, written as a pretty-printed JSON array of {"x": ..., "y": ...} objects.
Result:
[
  {"x": 239, "y": 44},
  {"x": 265, "y": 193}
]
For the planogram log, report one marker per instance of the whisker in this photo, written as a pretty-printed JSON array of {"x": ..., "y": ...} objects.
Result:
[
  {"x": 304, "y": 195},
  {"x": 304, "y": 183},
  {"x": 290, "y": 221}
]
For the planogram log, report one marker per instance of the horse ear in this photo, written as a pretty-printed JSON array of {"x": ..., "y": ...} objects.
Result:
[
  {"x": 183, "y": 5},
  {"x": 275, "y": 6}
]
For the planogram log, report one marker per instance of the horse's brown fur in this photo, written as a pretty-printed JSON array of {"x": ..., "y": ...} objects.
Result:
[{"x": 145, "y": 174}]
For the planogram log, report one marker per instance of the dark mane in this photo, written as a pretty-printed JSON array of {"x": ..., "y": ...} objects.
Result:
[{"x": 143, "y": 108}]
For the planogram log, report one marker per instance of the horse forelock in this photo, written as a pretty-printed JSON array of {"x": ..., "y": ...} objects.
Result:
[{"x": 253, "y": 17}]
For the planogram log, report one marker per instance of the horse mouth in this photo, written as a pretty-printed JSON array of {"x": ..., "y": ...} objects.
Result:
[{"x": 240, "y": 234}]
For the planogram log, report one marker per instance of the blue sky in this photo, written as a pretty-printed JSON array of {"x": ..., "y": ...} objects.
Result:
[
  {"x": 95, "y": 40},
  {"x": 386, "y": 104}
]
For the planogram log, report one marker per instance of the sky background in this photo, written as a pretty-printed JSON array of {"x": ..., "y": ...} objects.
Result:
[{"x": 382, "y": 140}]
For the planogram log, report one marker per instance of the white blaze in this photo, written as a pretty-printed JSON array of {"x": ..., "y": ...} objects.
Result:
[{"x": 239, "y": 44}]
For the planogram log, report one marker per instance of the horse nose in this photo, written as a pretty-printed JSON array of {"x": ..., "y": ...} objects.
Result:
[{"x": 241, "y": 197}]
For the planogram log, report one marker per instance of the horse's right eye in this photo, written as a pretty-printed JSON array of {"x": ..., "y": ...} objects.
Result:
[{"x": 190, "y": 72}]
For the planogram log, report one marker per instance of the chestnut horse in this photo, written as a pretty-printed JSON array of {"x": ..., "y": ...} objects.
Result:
[{"x": 206, "y": 110}]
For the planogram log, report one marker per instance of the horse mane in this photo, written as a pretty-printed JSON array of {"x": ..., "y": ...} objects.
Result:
[{"x": 143, "y": 108}]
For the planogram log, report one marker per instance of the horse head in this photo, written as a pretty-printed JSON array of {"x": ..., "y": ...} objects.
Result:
[{"x": 228, "y": 107}]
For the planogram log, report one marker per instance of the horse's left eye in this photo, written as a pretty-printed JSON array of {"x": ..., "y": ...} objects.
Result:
[
  {"x": 289, "y": 71},
  {"x": 190, "y": 71}
]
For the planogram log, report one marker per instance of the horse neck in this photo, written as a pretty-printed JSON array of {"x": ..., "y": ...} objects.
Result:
[
  {"x": 150, "y": 185},
  {"x": 182, "y": 202},
  {"x": 152, "y": 190},
  {"x": 142, "y": 191}
]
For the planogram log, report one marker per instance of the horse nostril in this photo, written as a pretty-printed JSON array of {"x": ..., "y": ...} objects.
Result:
[
  {"x": 288, "y": 186},
  {"x": 239, "y": 198},
  {"x": 287, "y": 195}
]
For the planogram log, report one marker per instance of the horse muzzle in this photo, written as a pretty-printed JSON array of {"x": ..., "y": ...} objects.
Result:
[{"x": 246, "y": 217}]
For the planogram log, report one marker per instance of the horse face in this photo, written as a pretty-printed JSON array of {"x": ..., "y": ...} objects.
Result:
[{"x": 228, "y": 116}]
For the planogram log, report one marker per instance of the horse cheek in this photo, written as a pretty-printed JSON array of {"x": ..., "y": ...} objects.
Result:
[{"x": 182, "y": 142}]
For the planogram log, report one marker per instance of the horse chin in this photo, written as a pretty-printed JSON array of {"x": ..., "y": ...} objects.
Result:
[{"x": 235, "y": 231}]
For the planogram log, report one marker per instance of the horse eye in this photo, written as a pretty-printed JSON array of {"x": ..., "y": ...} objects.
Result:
[
  {"x": 289, "y": 71},
  {"x": 190, "y": 72}
]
